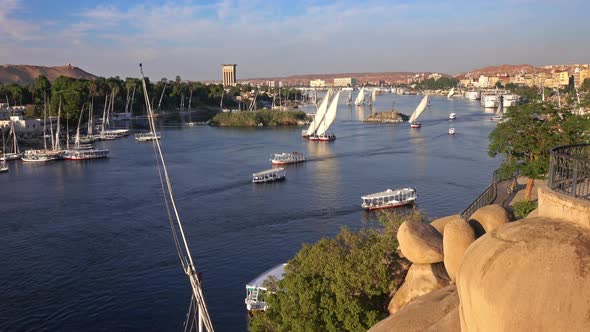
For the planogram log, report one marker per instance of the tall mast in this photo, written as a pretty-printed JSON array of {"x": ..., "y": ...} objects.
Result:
[
  {"x": 184, "y": 253},
  {"x": 77, "y": 138},
  {"x": 162, "y": 96},
  {"x": 45, "y": 120},
  {"x": 132, "y": 99},
  {"x": 57, "y": 145},
  {"x": 90, "y": 115},
  {"x": 104, "y": 112}
]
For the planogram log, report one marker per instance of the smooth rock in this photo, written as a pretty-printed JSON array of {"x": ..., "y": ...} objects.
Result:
[
  {"x": 457, "y": 238},
  {"x": 530, "y": 275},
  {"x": 488, "y": 218},
  {"x": 421, "y": 279},
  {"x": 440, "y": 223},
  {"x": 534, "y": 213},
  {"x": 437, "y": 311},
  {"x": 419, "y": 242}
]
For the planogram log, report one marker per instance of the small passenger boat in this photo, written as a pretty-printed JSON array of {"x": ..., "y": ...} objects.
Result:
[
  {"x": 452, "y": 116},
  {"x": 323, "y": 137},
  {"x": 257, "y": 289},
  {"x": 287, "y": 158},
  {"x": 389, "y": 199},
  {"x": 270, "y": 175},
  {"x": 146, "y": 137},
  {"x": 112, "y": 134},
  {"x": 451, "y": 131}
]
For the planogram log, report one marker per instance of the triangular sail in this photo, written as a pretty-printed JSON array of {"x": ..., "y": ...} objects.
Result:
[
  {"x": 421, "y": 107},
  {"x": 500, "y": 110},
  {"x": 319, "y": 115},
  {"x": 360, "y": 98},
  {"x": 451, "y": 93},
  {"x": 330, "y": 116},
  {"x": 373, "y": 96}
]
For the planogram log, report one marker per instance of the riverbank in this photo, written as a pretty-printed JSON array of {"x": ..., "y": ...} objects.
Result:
[{"x": 259, "y": 119}]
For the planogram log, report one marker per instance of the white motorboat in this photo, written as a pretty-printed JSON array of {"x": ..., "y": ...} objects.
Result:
[
  {"x": 389, "y": 199},
  {"x": 257, "y": 289},
  {"x": 419, "y": 109},
  {"x": 451, "y": 131},
  {"x": 111, "y": 134},
  {"x": 269, "y": 175},
  {"x": 287, "y": 158},
  {"x": 452, "y": 116},
  {"x": 146, "y": 137}
]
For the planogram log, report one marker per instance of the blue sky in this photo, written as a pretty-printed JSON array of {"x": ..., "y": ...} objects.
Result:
[{"x": 274, "y": 38}]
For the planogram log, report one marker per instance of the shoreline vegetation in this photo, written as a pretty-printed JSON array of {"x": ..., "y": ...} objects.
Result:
[
  {"x": 261, "y": 118},
  {"x": 387, "y": 117}
]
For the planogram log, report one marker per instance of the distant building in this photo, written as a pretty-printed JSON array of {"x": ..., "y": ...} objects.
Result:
[
  {"x": 560, "y": 78},
  {"x": 229, "y": 74},
  {"x": 584, "y": 74},
  {"x": 273, "y": 84},
  {"x": 345, "y": 81},
  {"x": 317, "y": 83}
]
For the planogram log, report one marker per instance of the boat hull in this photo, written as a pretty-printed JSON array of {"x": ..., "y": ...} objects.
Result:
[
  {"x": 415, "y": 126},
  {"x": 278, "y": 163},
  {"x": 389, "y": 206},
  {"x": 322, "y": 138}
]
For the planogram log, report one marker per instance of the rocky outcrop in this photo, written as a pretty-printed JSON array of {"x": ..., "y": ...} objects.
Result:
[
  {"x": 387, "y": 117},
  {"x": 421, "y": 279},
  {"x": 457, "y": 238},
  {"x": 488, "y": 218},
  {"x": 437, "y": 311},
  {"x": 530, "y": 275},
  {"x": 420, "y": 243},
  {"x": 440, "y": 223}
]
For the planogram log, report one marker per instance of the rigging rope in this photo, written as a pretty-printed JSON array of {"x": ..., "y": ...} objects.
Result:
[{"x": 189, "y": 267}]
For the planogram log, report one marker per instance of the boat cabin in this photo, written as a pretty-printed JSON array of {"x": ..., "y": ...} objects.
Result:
[
  {"x": 389, "y": 198},
  {"x": 287, "y": 158},
  {"x": 258, "y": 289}
]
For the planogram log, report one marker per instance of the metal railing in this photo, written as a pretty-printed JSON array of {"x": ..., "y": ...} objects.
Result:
[
  {"x": 569, "y": 170},
  {"x": 488, "y": 196}
]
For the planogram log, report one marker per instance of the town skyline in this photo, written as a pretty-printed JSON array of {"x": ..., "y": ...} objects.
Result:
[{"x": 192, "y": 38}]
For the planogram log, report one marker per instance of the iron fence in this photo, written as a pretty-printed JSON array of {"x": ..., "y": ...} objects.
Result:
[
  {"x": 488, "y": 196},
  {"x": 569, "y": 170}
]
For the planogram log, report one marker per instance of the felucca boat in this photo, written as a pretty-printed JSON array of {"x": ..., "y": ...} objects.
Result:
[
  {"x": 321, "y": 133},
  {"x": 45, "y": 155},
  {"x": 360, "y": 98},
  {"x": 14, "y": 153},
  {"x": 414, "y": 117},
  {"x": 83, "y": 152},
  {"x": 318, "y": 116},
  {"x": 451, "y": 93},
  {"x": 499, "y": 111}
]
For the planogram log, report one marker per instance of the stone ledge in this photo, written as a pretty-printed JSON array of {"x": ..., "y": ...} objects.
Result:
[{"x": 566, "y": 208}]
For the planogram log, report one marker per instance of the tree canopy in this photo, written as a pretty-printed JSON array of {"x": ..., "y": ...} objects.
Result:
[
  {"x": 531, "y": 130},
  {"x": 338, "y": 284}
]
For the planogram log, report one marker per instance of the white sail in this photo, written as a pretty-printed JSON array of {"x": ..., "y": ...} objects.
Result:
[
  {"x": 349, "y": 100},
  {"x": 500, "y": 110},
  {"x": 330, "y": 116},
  {"x": 360, "y": 98},
  {"x": 421, "y": 107},
  {"x": 373, "y": 96},
  {"x": 451, "y": 93},
  {"x": 319, "y": 114}
]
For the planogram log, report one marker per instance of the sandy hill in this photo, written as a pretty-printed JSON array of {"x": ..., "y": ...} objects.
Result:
[
  {"x": 23, "y": 74},
  {"x": 503, "y": 70}
]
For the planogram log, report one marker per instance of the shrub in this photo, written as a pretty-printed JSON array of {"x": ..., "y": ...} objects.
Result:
[
  {"x": 338, "y": 284},
  {"x": 523, "y": 208}
]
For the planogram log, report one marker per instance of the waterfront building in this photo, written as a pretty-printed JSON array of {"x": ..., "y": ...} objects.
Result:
[
  {"x": 24, "y": 127},
  {"x": 273, "y": 84},
  {"x": 229, "y": 74},
  {"x": 584, "y": 74},
  {"x": 344, "y": 82},
  {"x": 317, "y": 83},
  {"x": 434, "y": 76}
]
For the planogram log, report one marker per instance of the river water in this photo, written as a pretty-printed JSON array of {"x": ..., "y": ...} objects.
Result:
[{"x": 87, "y": 246}]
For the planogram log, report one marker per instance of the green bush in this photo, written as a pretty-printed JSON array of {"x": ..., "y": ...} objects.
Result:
[
  {"x": 338, "y": 284},
  {"x": 253, "y": 119},
  {"x": 523, "y": 208}
]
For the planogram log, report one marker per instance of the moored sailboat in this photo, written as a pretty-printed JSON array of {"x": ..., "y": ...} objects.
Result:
[
  {"x": 500, "y": 110},
  {"x": 83, "y": 152},
  {"x": 451, "y": 93},
  {"x": 414, "y": 117}
]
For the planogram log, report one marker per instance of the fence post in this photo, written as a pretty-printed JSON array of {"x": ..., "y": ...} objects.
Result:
[{"x": 575, "y": 178}]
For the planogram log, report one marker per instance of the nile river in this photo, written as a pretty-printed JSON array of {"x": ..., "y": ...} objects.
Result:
[{"x": 87, "y": 245}]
